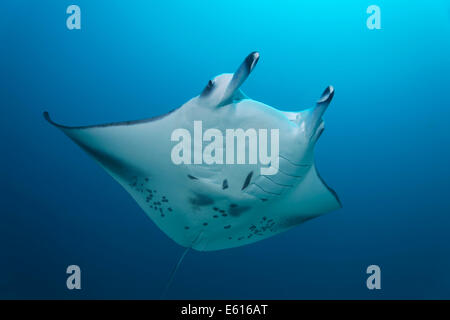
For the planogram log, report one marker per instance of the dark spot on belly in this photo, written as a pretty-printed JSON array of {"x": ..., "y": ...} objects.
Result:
[
  {"x": 247, "y": 180},
  {"x": 201, "y": 200},
  {"x": 186, "y": 228},
  {"x": 205, "y": 224},
  {"x": 192, "y": 177},
  {"x": 237, "y": 211},
  {"x": 225, "y": 184},
  {"x": 227, "y": 227}
]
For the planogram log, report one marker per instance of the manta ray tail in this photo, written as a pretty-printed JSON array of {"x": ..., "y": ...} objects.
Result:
[{"x": 174, "y": 271}]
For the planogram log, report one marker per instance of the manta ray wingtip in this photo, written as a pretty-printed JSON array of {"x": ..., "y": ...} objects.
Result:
[
  {"x": 49, "y": 120},
  {"x": 46, "y": 116}
]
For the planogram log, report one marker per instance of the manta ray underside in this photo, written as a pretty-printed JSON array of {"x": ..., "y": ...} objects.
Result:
[{"x": 216, "y": 206}]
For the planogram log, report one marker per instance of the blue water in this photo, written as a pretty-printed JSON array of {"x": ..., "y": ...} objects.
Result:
[{"x": 385, "y": 149}]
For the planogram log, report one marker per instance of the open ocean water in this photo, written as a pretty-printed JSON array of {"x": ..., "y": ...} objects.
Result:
[{"x": 385, "y": 149}]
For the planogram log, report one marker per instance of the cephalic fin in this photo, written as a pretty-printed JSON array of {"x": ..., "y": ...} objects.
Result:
[{"x": 317, "y": 112}]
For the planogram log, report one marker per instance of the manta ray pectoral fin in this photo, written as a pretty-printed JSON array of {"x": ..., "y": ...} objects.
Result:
[
  {"x": 333, "y": 199},
  {"x": 324, "y": 196},
  {"x": 313, "y": 198},
  {"x": 107, "y": 144}
]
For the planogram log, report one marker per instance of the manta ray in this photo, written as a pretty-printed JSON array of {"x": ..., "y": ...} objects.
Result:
[{"x": 216, "y": 206}]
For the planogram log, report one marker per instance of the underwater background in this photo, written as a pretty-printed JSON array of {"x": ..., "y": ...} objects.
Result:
[{"x": 385, "y": 148}]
